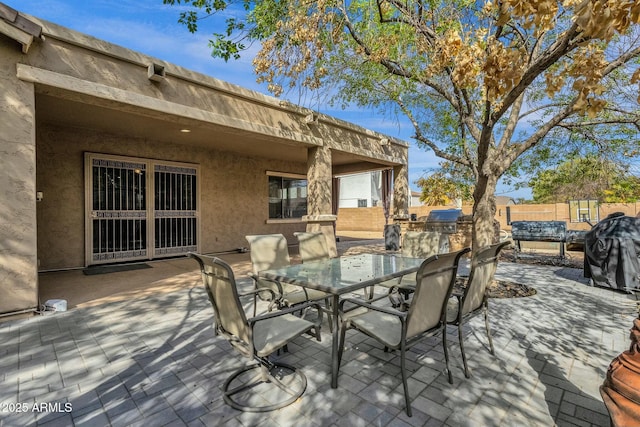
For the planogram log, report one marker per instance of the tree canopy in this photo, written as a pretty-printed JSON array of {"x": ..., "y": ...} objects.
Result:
[
  {"x": 489, "y": 86},
  {"x": 438, "y": 189},
  {"x": 584, "y": 178}
]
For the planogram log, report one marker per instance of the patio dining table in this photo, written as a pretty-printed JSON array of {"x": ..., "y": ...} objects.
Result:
[{"x": 342, "y": 275}]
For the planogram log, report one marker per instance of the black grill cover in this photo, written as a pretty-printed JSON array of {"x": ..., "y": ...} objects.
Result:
[{"x": 611, "y": 252}]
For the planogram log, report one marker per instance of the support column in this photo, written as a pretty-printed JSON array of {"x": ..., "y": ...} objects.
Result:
[
  {"x": 18, "y": 239},
  {"x": 401, "y": 196},
  {"x": 319, "y": 214}
]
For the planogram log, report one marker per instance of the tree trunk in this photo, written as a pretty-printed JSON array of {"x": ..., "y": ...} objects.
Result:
[{"x": 484, "y": 210}]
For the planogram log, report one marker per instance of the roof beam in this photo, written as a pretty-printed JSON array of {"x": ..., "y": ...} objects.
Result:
[{"x": 17, "y": 27}]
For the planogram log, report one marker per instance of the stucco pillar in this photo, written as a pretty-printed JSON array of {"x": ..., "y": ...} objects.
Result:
[
  {"x": 18, "y": 244},
  {"x": 319, "y": 216},
  {"x": 401, "y": 196}
]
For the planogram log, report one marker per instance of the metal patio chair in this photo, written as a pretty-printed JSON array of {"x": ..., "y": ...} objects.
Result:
[
  {"x": 415, "y": 244},
  {"x": 425, "y": 316},
  {"x": 269, "y": 251},
  {"x": 471, "y": 299},
  {"x": 248, "y": 389},
  {"x": 312, "y": 246}
]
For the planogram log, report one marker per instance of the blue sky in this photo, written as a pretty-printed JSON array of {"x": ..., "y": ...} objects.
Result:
[{"x": 150, "y": 27}]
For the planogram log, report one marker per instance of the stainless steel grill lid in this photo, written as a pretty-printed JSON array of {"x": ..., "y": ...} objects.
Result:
[
  {"x": 443, "y": 220},
  {"x": 444, "y": 215}
]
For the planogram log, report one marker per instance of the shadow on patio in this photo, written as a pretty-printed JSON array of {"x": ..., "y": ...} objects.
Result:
[
  {"x": 149, "y": 356},
  {"x": 166, "y": 275}
]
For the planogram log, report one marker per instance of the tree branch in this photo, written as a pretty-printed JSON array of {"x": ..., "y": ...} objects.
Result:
[
  {"x": 558, "y": 120},
  {"x": 512, "y": 123},
  {"x": 517, "y": 149},
  {"x": 540, "y": 108},
  {"x": 592, "y": 123},
  {"x": 416, "y": 21},
  {"x": 428, "y": 142},
  {"x": 564, "y": 44}
]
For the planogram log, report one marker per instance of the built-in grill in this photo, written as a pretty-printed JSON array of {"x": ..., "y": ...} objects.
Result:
[{"x": 444, "y": 221}]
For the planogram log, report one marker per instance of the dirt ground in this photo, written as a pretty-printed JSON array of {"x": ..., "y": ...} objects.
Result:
[
  {"x": 497, "y": 289},
  {"x": 501, "y": 289},
  {"x": 572, "y": 259},
  {"x": 530, "y": 254}
]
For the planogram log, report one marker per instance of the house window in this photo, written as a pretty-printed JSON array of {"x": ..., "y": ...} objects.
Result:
[
  {"x": 362, "y": 203},
  {"x": 287, "y": 197}
]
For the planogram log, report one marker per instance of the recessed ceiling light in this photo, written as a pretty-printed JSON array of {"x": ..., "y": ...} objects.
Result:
[{"x": 185, "y": 130}]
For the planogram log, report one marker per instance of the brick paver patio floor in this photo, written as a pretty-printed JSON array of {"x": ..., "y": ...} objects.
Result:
[{"x": 153, "y": 360}]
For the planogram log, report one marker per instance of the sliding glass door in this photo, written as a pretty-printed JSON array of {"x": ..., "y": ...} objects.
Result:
[{"x": 133, "y": 214}]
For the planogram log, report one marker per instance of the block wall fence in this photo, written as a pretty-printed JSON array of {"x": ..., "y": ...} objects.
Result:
[{"x": 372, "y": 219}]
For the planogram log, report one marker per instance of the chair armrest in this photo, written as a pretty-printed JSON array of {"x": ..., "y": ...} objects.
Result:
[
  {"x": 366, "y": 304},
  {"x": 257, "y": 278},
  {"x": 379, "y": 297},
  {"x": 296, "y": 308},
  {"x": 357, "y": 302},
  {"x": 257, "y": 291}
]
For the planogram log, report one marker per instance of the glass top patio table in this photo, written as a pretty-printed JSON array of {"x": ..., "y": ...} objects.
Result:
[
  {"x": 345, "y": 274},
  {"x": 338, "y": 276}
]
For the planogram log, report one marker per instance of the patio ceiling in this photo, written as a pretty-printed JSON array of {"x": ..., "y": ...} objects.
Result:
[{"x": 61, "y": 111}]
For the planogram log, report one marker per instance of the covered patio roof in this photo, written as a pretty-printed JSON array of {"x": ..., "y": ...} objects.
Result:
[{"x": 69, "y": 96}]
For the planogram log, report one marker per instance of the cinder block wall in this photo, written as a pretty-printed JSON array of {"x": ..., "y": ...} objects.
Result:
[{"x": 372, "y": 219}]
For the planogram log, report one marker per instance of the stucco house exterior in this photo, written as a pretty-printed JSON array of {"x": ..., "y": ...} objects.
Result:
[{"x": 109, "y": 155}]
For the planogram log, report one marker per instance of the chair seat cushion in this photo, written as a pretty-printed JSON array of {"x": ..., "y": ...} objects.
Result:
[
  {"x": 299, "y": 296},
  {"x": 408, "y": 281},
  {"x": 271, "y": 334},
  {"x": 386, "y": 328}
]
